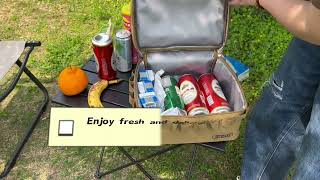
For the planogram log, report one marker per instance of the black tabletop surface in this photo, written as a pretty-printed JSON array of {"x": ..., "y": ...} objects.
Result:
[{"x": 116, "y": 95}]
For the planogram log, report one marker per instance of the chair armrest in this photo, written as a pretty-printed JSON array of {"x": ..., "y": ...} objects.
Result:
[
  {"x": 22, "y": 68},
  {"x": 33, "y": 43}
]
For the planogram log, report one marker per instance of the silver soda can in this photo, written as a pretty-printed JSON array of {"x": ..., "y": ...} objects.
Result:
[{"x": 123, "y": 49}]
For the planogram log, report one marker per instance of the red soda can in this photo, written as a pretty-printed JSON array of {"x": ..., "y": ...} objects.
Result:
[
  {"x": 103, "y": 50},
  {"x": 215, "y": 100},
  {"x": 192, "y": 96}
]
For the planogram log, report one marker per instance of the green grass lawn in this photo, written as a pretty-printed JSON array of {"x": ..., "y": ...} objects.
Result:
[{"x": 66, "y": 27}]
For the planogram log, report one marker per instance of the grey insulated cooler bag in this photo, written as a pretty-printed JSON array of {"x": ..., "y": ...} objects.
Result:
[{"x": 187, "y": 37}]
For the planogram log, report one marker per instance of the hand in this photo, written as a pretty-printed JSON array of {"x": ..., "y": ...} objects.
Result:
[{"x": 242, "y": 2}]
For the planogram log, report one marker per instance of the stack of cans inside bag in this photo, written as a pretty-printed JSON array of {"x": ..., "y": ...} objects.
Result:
[{"x": 180, "y": 96}]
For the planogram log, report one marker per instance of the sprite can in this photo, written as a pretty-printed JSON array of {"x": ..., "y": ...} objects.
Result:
[
  {"x": 172, "y": 99},
  {"x": 123, "y": 50}
]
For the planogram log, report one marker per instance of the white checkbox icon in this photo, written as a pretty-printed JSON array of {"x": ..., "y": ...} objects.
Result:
[{"x": 66, "y": 127}]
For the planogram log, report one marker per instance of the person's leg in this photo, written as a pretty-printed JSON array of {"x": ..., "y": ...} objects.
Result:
[
  {"x": 275, "y": 127},
  {"x": 308, "y": 161}
]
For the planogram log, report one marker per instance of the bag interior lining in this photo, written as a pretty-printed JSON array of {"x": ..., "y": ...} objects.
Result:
[{"x": 197, "y": 63}]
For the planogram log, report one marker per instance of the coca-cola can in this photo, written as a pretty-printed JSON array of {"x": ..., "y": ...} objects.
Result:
[
  {"x": 192, "y": 96},
  {"x": 215, "y": 100},
  {"x": 103, "y": 51}
]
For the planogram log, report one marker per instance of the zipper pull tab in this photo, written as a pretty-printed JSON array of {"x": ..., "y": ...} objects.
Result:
[
  {"x": 216, "y": 55},
  {"x": 220, "y": 51}
]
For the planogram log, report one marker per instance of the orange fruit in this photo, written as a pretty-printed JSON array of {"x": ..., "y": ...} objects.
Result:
[{"x": 72, "y": 81}]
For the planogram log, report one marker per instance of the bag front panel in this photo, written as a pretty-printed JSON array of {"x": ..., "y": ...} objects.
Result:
[{"x": 213, "y": 129}]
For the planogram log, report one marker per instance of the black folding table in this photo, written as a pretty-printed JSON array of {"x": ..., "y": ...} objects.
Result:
[
  {"x": 10, "y": 53},
  {"x": 117, "y": 96}
]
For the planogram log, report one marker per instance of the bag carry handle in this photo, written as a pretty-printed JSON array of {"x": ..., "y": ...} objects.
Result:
[{"x": 131, "y": 91}]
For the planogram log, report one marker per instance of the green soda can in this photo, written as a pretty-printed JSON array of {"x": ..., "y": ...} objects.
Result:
[{"x": 172, "y": 99}]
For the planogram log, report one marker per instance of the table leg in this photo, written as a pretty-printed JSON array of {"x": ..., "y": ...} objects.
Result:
[
  {"x": 157, "y": 153},
  {"x": 138, "y": 164},
  {"x": 97, "y": 174}
]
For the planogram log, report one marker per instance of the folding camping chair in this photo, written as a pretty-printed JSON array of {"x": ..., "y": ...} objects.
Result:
[{"x": 10, "y": 54}]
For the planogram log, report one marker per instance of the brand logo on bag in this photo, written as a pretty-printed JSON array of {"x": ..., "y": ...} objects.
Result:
[{"x": 222, "y": 136}]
